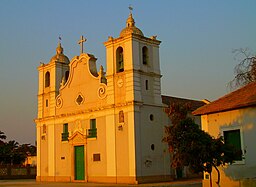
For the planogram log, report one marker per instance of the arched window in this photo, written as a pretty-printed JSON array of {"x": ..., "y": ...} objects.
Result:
[
  {"x": 119, "y": 60},
  {"x": 145, "y": 55},
  {"x": 66, "y": 75},
  {"x": 47, "y": 79},
  {"x": 151, "y": 117}
]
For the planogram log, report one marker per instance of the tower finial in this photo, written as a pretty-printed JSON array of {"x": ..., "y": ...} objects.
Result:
[
  {"x": 59, "y": 49},
  {"x": 130, "y": 8},
  {"x": 59, "y": 39}
]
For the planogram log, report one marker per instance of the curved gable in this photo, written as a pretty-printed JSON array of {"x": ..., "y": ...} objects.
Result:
[{"x": 83, "y": 89}]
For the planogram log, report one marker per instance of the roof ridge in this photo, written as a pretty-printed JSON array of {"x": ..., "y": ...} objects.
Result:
[{"x": 242, "y": 97}]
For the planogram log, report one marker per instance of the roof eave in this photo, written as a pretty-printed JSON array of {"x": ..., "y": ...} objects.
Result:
[{"x": 195, "y": 113}]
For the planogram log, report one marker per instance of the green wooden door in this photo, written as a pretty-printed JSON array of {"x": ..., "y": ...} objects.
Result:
[{"x": 79, "y": 163}]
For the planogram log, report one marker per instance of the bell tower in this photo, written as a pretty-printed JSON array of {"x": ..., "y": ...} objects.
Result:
[
  {"x": 133, "y": 67},
  {"x": 51, "y": 76},
  {"x": 134, "y": 90}
]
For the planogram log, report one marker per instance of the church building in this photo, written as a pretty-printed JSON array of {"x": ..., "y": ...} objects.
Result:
[{"x": 103, "y": 126}]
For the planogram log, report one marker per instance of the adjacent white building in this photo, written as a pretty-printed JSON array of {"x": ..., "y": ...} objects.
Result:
[{"x": 234, "y": 117}]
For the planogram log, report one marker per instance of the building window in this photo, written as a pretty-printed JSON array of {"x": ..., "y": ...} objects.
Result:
[
  {"x": 44, "y": 129},
  {"x": 46, "y": 103},
  {"x": 119, "y": 60},
  {"x": 121, "y": 116},
  {"x": 233, "y": 137},
  {"x": 47, "y": 79},
  {"x": 145, "y": 55},
  {"x": 66, "y": 75},
  {"x": 92, "y": 132},
  {"x": 152, "y": 147},
  {"x": 65, "y": 134},
  {"x": 151, "y": 117},
  {"x": 146, "y": 84},
  {"x": 79, "y": 99},
  {"x": 96, "y": 157}
]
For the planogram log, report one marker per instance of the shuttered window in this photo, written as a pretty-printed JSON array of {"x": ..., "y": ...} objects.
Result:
[
  {"x": 92, "y": 132},
  {"x": 233, "y": 137},
  {"x": 65, "y": 134}
]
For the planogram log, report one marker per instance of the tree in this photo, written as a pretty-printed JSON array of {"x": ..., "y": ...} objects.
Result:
[
  {"x": 192, "y": 147},
  {"x": 2, "y": 144},
  {"x": 245, "y": 70},
  {"x": 27, "y": 149},
  {"x": 10, "y": 152},
  {"x": 2, "y": 137},
  {"x": 13, "y": 153}
]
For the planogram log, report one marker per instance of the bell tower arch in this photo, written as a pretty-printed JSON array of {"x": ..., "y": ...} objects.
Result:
[{"x": 51, "y": 76}]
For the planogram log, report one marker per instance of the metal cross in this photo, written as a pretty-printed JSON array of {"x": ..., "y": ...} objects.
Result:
[
  {"x": 81, "y": 43},
  {"x": 59, "y": 38},
  {"x": 130, "y": 8}
]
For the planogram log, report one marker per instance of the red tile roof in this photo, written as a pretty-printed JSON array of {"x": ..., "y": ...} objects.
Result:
[
  {"x": 194, "y": 103},
  {"x": 243, "y": 97}
]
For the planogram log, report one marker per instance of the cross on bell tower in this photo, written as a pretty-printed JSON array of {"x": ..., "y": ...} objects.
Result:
[
  {"x": 81, "y": 43},
  {"x": 130, "y": 8}
]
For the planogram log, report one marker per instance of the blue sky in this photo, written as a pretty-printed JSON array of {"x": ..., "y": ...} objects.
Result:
[{"x": 196, "y": 50}]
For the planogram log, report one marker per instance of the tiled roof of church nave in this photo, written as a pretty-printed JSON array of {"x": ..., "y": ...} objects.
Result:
[
  {"x": 170, "y": 100},
  {"x": 240, "y": 98}
]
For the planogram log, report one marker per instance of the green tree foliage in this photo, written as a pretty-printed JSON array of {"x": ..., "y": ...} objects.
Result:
[
  {"x": 13, "y": 153},
  {"x": 245, "y": 70},
  {"x": 193, "y": 147},
  {"x": 2, "y": 137}
]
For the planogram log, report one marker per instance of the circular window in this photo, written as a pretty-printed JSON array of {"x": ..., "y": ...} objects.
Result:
[
  {"x": 151, "y": 117},
  {"x": 152, "y": 147}
]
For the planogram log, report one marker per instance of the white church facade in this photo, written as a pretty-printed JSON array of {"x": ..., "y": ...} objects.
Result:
[{"x": 97, "y": 126}]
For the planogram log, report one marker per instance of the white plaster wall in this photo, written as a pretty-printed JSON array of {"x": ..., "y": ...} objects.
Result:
[
  {"x": 151, "y": 162},
  {"x": 62, "y": 152},
  {"x": 110, "y": 146},
  {"x": 51, "y": 150},
  {"x": 38, "y": 149},
  {"x": 244, "y": 119}
]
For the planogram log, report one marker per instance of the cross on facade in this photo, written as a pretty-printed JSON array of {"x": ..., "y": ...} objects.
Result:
[{"x": 81, "y": 43}]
